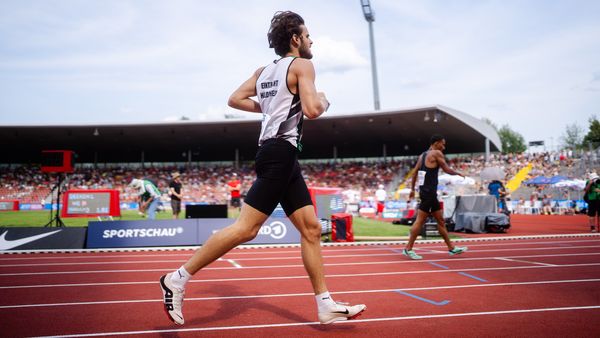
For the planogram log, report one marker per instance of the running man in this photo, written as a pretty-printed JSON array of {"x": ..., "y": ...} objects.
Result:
[
  {"x": 286, "y": 93},
  {"x": 426, "y": 172}
]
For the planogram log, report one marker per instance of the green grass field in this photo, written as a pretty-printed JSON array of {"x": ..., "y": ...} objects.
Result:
[{"x": 361, "y": 226}]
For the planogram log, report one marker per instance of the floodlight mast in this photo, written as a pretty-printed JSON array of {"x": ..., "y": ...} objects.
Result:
[{"x": 370, "y": 17}]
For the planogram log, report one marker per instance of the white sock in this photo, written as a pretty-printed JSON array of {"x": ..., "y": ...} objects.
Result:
[
  {"x": 180, "y": 277},
  {"x": 324, "y": 301}
]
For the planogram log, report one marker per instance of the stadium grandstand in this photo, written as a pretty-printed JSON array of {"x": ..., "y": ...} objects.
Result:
[
  {"x": 382, "y": 134},
  {"x": 109, "y": 156}
]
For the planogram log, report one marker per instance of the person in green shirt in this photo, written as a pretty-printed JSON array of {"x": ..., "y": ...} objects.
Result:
[
  {"x": 592, "y": 197},
  {"x": 149, "y": 196}
]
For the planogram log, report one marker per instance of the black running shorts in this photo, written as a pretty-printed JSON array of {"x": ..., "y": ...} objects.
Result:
[
  {"x": 593, "y": 208},
  {"x": 429, "y": 202},
  {"x": 278, "y": 179},
  {"x": 235, "y": 202},
  {"x": 176, "y": 206}
]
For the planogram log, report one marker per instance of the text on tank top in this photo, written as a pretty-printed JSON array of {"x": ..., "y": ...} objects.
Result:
[{"x": 282, "y": 110}]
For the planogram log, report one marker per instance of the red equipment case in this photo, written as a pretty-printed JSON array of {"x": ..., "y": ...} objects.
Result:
[{"x": 341, "y": 228}]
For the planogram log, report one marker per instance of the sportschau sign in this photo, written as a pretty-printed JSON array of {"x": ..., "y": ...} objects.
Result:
[{"x": 146, "y": 233}]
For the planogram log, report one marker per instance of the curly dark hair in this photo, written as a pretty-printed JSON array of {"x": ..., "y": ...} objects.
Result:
[
  {"x": 435, "y": 137},
  {"x": 283, "y": 26}
]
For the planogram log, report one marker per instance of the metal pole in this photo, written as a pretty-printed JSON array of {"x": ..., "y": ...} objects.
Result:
[
  {"x": 236, "y": 165},
  {"x": 374, "y": 67},
  {"x": 487, "y": 150}
]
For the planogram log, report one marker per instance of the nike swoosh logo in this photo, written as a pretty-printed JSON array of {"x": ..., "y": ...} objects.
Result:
[
  {"x": 8, "y": 244},
  {"x": 344, "y": 312}
]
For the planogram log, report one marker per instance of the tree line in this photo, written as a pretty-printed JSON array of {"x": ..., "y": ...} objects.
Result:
[{"x": 573, "y": 137}]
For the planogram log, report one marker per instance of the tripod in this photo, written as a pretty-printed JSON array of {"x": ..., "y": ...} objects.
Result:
[{"x": 56, "y": 218}]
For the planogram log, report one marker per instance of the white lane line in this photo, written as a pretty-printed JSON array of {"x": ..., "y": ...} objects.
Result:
[
  {"x": 93, "y": 255},
  {"x": 402, "y": 261},
  {"x": 186, "y": 255},
  {"x": 297, "y": 245},
  {"x": 83, "y": 272},
  {"x": 91, "y": 263},
  {"x": 264, "y": 278},
  {"x": 430, "y": 288},
  {"x": 354, "y": 321},
  {"x": 430, "y": 250},
  {"x": 523, "y": 261},
  {"x": 288, "y": 257},
  {"x": 234, "y": 263},
  {"x": 445, "y": 252},
  {"x": 230, "y": 261}
]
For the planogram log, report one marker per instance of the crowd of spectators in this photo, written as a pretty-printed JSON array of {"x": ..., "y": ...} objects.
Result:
[
  {"x": 25, "y": 184},
  {"x": 208, "y": 183}
]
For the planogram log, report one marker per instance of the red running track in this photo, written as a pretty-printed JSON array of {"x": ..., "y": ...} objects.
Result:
[{"x": 514, "y": 288}]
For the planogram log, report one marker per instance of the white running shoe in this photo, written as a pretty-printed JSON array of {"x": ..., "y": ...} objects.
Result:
[
  {"x": 457, "y": 250},
  {"x": 411, "y": 254},
  {"x": 172, "y": 299},
  {"x": 340, "y": 312}
]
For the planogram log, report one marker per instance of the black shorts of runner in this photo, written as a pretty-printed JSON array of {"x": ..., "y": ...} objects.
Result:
[
  {"x": 429, "y": 202},
  {"x": 235, "y": 202},
  {"x": 176, "y": 206},
  {"x": 593, "y": 208},
  {"x": 278, "y": 179}
]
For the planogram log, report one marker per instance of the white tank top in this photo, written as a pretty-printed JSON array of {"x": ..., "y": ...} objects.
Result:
[{"x": 282, "y": 111}]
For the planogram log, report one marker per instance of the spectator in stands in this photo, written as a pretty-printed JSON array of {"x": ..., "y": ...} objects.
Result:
[
  {"x": 380, "y": 196},
  {"x": 592, "y": 197},
  {"x": 496, "y": 189},
  {"x": 547, "y": 205},
  {"x": 234, "y": 186},
  {"x": 521, "y": 206},
  {"x": 535, "y": 195},
  {"x": 149, "y": 194},
  {"x": 175, "y": 188}
]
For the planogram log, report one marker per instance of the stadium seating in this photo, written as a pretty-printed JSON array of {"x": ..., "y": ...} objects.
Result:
[{"x": 207, "y": 183}]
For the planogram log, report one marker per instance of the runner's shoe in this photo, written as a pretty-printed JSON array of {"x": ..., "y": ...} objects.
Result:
[
  {"x": 341, "y": 312},
  {"x": 172, "y": 299},
  {"x": 457, "y": 250},
  {"x": 411, "y": 253}
]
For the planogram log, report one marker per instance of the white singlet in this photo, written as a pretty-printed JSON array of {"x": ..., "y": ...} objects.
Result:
[{"x": 282, "y": 111}]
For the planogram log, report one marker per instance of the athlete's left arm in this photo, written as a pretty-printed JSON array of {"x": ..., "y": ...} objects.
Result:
[
  {"x": 439, "y": 157},
  {"x": 313, "y": 103},
  {"x": 241, "y": 97}
]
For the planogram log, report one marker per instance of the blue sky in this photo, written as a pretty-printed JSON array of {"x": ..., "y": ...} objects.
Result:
[{"x": 531, "y": 64}]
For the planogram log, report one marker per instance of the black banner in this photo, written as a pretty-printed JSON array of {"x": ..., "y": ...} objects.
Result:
[{"x": 42, "y": 238}]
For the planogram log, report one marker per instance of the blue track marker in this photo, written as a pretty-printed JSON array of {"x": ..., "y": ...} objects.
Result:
[
  {"x": 444, "y": 302},
  {"x": 471, "y": 276},
  {"x": 460, "y": 273},
  {"x": 439, "y": 265}
]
